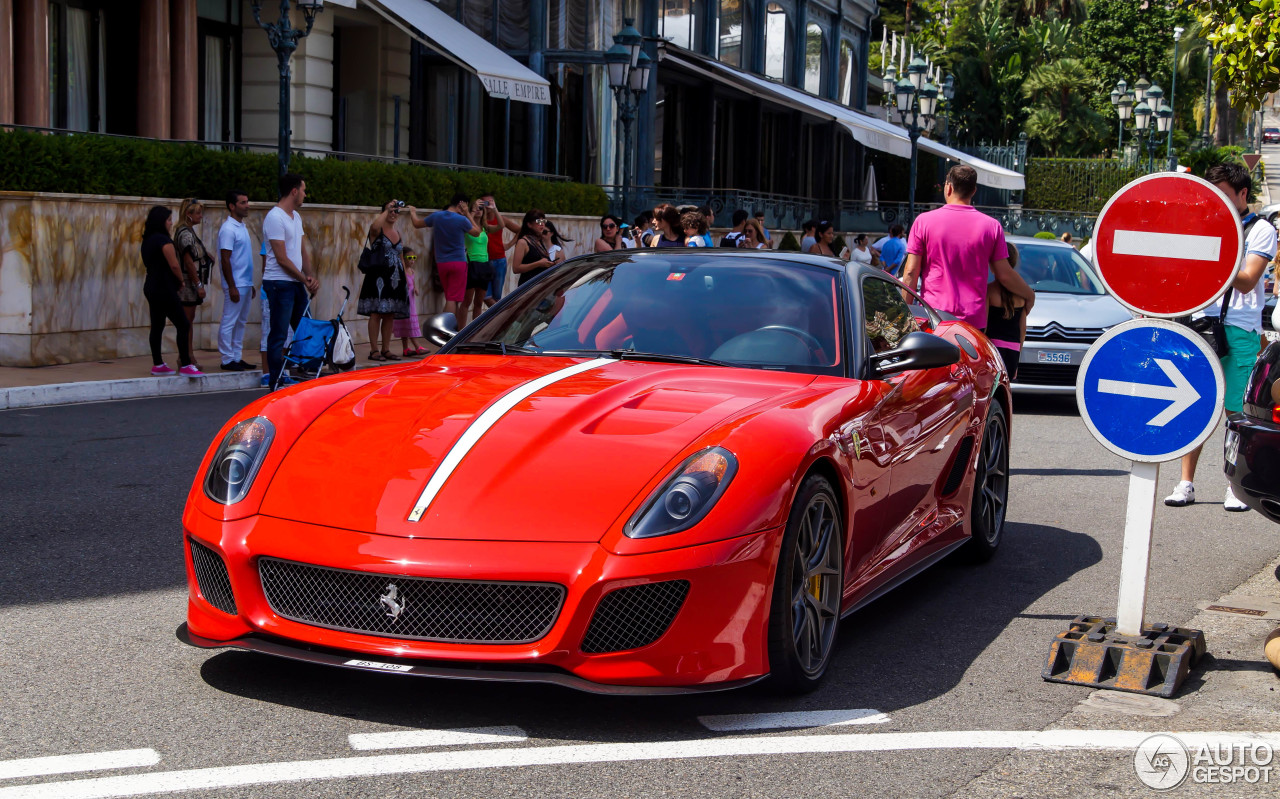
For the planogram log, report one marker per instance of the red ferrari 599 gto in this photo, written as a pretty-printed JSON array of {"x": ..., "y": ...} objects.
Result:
[{"x": 644, "y": 471}]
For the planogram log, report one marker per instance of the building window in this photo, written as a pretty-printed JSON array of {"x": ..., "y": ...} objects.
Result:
[
  {"x": 776, "y": 43},
  {"x": 677, "y": 22},
  {"x": 218, "y": 57},
  {"x": 729, "y": 32},
  {"x": 813, "y": 60},
  {"x": 847, "y": 73},
  {"x": 77, "y": 82}
]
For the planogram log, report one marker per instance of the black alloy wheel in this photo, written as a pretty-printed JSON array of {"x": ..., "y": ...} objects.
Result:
[
  {"x": 807, "y": 590},
  {"x": 990, "y": 487}
]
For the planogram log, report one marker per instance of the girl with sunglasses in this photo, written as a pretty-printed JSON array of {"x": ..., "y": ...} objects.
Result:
[
  {"x": 610, "y": 235},
  {"x": 531, "y": 257},
  {"x": 409, "y": 330}
]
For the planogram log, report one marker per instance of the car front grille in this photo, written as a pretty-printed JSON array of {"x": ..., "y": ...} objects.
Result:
[
  {"x": 632, "y": 617},
  {"x": 1046, "y": 374},
  {"x": 212, "y": 577},
  {"x": 427, "y": 609},
  {"x": 1056, "y": 332}
]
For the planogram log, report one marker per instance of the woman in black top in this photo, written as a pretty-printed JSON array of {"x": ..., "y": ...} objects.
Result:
[
  {"x": 669, "y": 227},
  {"x": 530, "y": 257},
  {"x": 164, "y": 277}
]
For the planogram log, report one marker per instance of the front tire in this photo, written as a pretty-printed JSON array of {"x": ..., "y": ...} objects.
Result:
[
  {"x": 808, "y": 586},
  {"x": 990, "y": 488}
]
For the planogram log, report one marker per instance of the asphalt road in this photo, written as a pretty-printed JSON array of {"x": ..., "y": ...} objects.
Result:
[{"x": 92, "y": 590}]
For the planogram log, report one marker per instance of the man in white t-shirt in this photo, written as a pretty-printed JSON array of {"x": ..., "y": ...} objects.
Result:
[
  {"x": 235, "y": 256},
  {"x": 287, "y": 277},
  {"x": 1243, "y": 322}
]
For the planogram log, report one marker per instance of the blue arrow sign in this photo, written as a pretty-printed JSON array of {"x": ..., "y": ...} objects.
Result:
[{"x": 1150, "y": 390}]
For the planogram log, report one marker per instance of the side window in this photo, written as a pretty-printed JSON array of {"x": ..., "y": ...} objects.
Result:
[{"x": 888, "y": 318}]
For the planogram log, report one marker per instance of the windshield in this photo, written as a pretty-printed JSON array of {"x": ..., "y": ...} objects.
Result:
[
  {"x": 1062, "y": 270},
  {"x": 740, "y": 311}
]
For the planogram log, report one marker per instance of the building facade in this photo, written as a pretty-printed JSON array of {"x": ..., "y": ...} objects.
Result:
[{"x": 765, "y": 98}]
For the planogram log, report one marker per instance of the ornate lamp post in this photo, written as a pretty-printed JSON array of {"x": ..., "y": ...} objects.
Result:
[
  {"x": 1122, "y": 99},
  {"x": 917, "y": 100},
  {"x": 284, "y": 40},
  {"x": 1173, "y": 89},
  {"x": 1143, "y": 115},
  {"x": 629, "y": 68},
  {"x": 948, "y": 94}
]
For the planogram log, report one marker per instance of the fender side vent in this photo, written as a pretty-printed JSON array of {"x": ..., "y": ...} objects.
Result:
[{"x": 958, "y": 467}]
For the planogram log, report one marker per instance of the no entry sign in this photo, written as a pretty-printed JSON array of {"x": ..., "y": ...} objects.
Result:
[{"x": 1168, "y": 245}]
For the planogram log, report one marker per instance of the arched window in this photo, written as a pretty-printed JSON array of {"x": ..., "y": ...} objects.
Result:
[
  {"x": 847, "y": 73},
  {"x": 813, "y": 61},
  {"x": 776, "y": 42},
  {"x": 729, "y": 32},
  {"x": 677, "y": 22}
]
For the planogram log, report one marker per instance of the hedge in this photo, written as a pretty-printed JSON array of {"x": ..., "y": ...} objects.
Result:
[
  {"x": 1074, "y": 184},
  {"x": 90, "y": 164}
]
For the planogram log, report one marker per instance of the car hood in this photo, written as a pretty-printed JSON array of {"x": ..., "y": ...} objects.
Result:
[
  {"x": 560, "y": 465},
  {"x": 1077, "y": 310}
]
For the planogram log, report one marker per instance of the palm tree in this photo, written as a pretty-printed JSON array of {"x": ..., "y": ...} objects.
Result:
[
  {"x": 1067, "y": 10},
  {"x": 1062, "y": 121}
]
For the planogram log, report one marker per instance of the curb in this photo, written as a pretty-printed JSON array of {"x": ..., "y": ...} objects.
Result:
[{"x": 130, "y": 388}]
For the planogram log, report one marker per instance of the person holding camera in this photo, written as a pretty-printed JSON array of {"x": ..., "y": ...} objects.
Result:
[
  {"x": 384, "y": 294},
  {"x": 449, "y": 228}
]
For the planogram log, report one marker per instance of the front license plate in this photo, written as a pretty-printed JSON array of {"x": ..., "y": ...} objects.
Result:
[
  {"x": 373, "y": 664},
  {"x": 1050, "y": 356},
  {"x": 1231, "y": 447}
]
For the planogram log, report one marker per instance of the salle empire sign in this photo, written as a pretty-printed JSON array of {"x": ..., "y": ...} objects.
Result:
[{"x": 522, "y": 91}]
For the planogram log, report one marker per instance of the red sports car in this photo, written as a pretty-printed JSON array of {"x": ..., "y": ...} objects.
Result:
[{"x": 645, "y": 471}]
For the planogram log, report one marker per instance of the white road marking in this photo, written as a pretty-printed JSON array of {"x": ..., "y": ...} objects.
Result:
[
  {"x": 1181, "y": 394},
  {"x": 1167, "y": 245},
  {"x": 488, "y": 419},
  {"x": 67, "y": 764},
  {"x": 409, "y": 739},
  {"x": 792, "y": 720},
  {"x": 455, "y": 760}
]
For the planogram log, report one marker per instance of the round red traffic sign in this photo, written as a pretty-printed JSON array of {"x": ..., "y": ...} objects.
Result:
[{"x": 1168, "y": 244}]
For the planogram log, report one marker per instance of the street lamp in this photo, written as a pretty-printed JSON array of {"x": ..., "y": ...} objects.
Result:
[
  {"x": 948, "y": 94},
  {"x": 1122, "y": 100},
  {"x": 1173, "y": 88},
  {"x": 916, "y": 101},
  {"x": 629, "y": 68},
  {"x": 1144, "y": 114},
  {"x": 284, "y": 40}
]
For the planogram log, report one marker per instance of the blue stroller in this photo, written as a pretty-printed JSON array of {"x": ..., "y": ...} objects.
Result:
[{"x": 317, "y": 342}]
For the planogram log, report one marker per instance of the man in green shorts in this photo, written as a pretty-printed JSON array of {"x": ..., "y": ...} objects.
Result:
[{"x": 1243, "y": 321}]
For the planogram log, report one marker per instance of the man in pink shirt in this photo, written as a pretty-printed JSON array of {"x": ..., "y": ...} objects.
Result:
[{"x": 953, "y": 248}]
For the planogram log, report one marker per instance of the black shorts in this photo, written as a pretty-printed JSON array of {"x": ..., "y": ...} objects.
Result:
[{"x": 479, "y": 274}]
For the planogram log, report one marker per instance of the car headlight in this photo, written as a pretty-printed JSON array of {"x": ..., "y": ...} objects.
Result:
[
  {"x": 686, "y": 496},
  {"x": 236, "y": 462}
]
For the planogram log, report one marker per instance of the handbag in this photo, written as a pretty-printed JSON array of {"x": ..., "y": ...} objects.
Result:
[
  {"x": 372, "y": 258},
  {"x": 1218, "y": 328}
]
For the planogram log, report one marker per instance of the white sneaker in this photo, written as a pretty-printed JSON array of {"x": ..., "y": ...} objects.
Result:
[
  {"x": 1233, "y": 504},
  {"x": 1184, "y": 494}
]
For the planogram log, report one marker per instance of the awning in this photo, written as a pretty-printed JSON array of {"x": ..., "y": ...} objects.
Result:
[
  {"x": 502, "y": 75},
  {"x": 865, "y": 129}
]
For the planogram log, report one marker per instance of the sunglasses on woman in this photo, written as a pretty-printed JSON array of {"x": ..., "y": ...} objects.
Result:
[
  {"x": 540, "y": 221},
  {"x": 609, "y": 226}
]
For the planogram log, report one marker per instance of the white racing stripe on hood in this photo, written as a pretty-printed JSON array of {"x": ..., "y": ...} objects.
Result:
[{"x": 488, "y": 419}]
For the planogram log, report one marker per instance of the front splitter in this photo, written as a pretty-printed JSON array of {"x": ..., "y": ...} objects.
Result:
[{"x": 418, "y": 668}]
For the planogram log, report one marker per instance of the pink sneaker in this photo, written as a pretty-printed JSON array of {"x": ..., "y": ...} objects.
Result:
[
  {"x": 190, "y": 371},
  {"x": 161, "y": 371}
]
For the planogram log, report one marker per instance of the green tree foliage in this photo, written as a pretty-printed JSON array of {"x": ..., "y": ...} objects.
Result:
[
  {"x": 135, "y": 167},
  {"x": 1246, "y": 36}
]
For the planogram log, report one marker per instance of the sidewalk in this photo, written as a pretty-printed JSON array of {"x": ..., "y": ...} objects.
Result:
[{"x": 122, "y": 378}]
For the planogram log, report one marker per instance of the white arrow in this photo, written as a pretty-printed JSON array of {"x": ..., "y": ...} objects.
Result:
[{"x": 1181, "y": 394}]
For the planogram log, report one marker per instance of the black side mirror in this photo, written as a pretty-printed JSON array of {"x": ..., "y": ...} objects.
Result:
[
  {"x": 441, "y": 328},
  {"x": 915, "y": 351}
]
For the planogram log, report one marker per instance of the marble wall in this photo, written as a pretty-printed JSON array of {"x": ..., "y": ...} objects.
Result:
[{"x": 71, "y": 276}]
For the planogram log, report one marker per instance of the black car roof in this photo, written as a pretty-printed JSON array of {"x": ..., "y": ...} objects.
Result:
[{"x": 822, "y": 261}]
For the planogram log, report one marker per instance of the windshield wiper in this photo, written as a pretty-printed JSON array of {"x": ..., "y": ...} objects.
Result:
[
  {"x": 494, "y": 346},
  {"x": 662, "y": 357}
]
